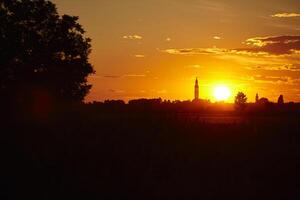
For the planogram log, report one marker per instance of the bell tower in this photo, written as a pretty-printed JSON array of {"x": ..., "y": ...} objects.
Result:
[{"x": 196, "y": 90}]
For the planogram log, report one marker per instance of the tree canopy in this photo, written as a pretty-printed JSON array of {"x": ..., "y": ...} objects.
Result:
[
  {"x": 240, "y": 101},
  {"x": 42, "y": 50}
]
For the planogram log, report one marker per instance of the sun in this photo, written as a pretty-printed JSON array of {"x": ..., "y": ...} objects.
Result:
[{"x": 222, "y": 93}]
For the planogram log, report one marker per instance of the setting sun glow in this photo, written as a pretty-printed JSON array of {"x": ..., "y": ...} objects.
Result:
[{"x": 222, "y": 93}]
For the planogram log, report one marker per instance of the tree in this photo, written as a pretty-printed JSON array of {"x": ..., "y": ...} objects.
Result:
[
  {"x": 280, "y": 100},
  {"x": 240, "y": 101},
  {"x": 41, "y": 51}
]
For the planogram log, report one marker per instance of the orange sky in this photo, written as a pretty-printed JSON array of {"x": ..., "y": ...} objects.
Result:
[{"x": 156, "y": 48}]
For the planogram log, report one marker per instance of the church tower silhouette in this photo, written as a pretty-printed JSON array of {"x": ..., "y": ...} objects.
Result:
[{"x": 196, "y": 90}]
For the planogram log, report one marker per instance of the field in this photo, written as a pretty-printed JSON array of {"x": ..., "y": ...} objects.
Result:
[{"x": 85, "y": 153}]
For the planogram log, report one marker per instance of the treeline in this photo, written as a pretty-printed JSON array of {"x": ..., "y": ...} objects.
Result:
[{"x": 201, "y": 106}]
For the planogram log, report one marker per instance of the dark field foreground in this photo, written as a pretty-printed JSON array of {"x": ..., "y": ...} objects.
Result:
[{"x": 88, "y": 154}]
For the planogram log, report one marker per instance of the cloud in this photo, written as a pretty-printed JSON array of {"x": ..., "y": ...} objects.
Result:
[
  {"x": 286, "y": 15},
  {"x": 208, "y": 5},
  {"x": 276, "y": 67},
  {"x": 139, "y": 56},
  {"x": 214, "y": 51},
  {"x": 161, "y": 91},
  {"x": 124, "y": 76},
  {"x": 132, "y": 37},
  {"x": 134, "y": 75},
  {"x": 116, "y": 91},
  {"x": 111, "y": 76},
  {"x": 195, "y": 51},
  {"x": 275, "y": 80},
  {"x": 273, "y": 53},
  {"x": 94, "y": 77},
  {"x": 168, "y": 39},
  {"x": 285, "y": 26},
  {"x": 194, "y": 66},
  {"x": 217, "y": 38},
  {"x": 272, "y": 79},
  {"x": 276, "y": 45}
]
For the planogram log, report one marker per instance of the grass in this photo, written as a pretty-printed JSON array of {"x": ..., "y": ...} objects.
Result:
[{"x": 84, "y": 152}]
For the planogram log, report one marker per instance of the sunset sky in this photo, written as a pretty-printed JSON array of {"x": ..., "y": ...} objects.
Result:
[{"x": 156, "y": 48}]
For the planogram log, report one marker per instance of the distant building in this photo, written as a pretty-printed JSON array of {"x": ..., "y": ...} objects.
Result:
[
  {"x": 262, "y": 100},
  {"x": 196, "y": 90},
  {"x": 256, "y": 98}
]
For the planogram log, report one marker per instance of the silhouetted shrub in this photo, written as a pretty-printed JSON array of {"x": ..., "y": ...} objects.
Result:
[
  {"x": 240, "y": 101},
  {"x": 280, "y": 100}
]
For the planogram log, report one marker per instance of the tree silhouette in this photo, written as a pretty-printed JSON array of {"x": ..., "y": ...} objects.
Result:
[
  {"x": 240, "y": 101},
  {"x": 280, "y": 100},
  {"x": 42, "y": 51}
]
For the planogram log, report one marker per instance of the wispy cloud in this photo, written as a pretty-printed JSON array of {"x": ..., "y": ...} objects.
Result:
[
  {"x": 285, "y": 26},
  {"x": 274, "y": 80},
  {"x": 139, "y": 56},
  {"x": 116, "y": 91},
  {"x": 269, "y": 53},
  {"x": 132, "y": 37},
  {"x": 124, "y": 76},
  {"x": 271, "y": 79},
  {"x": 211, "y": 5},
  {"x": 134, "y": 75},
  {"x": 274, "y": 45},
  {"x": 194, "y": 51},
  {"x": 161, "y": 91},
  {"x": 286, "y": 15},
  {"x": 217, "y": 38},
  {"x": 196, "y": 66},
  {"x": 94, "y": 76},
  {"x": 213, "y": 51},
  {"x": 111, "y": 76},
  {"x": 276, "y": 67}
]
